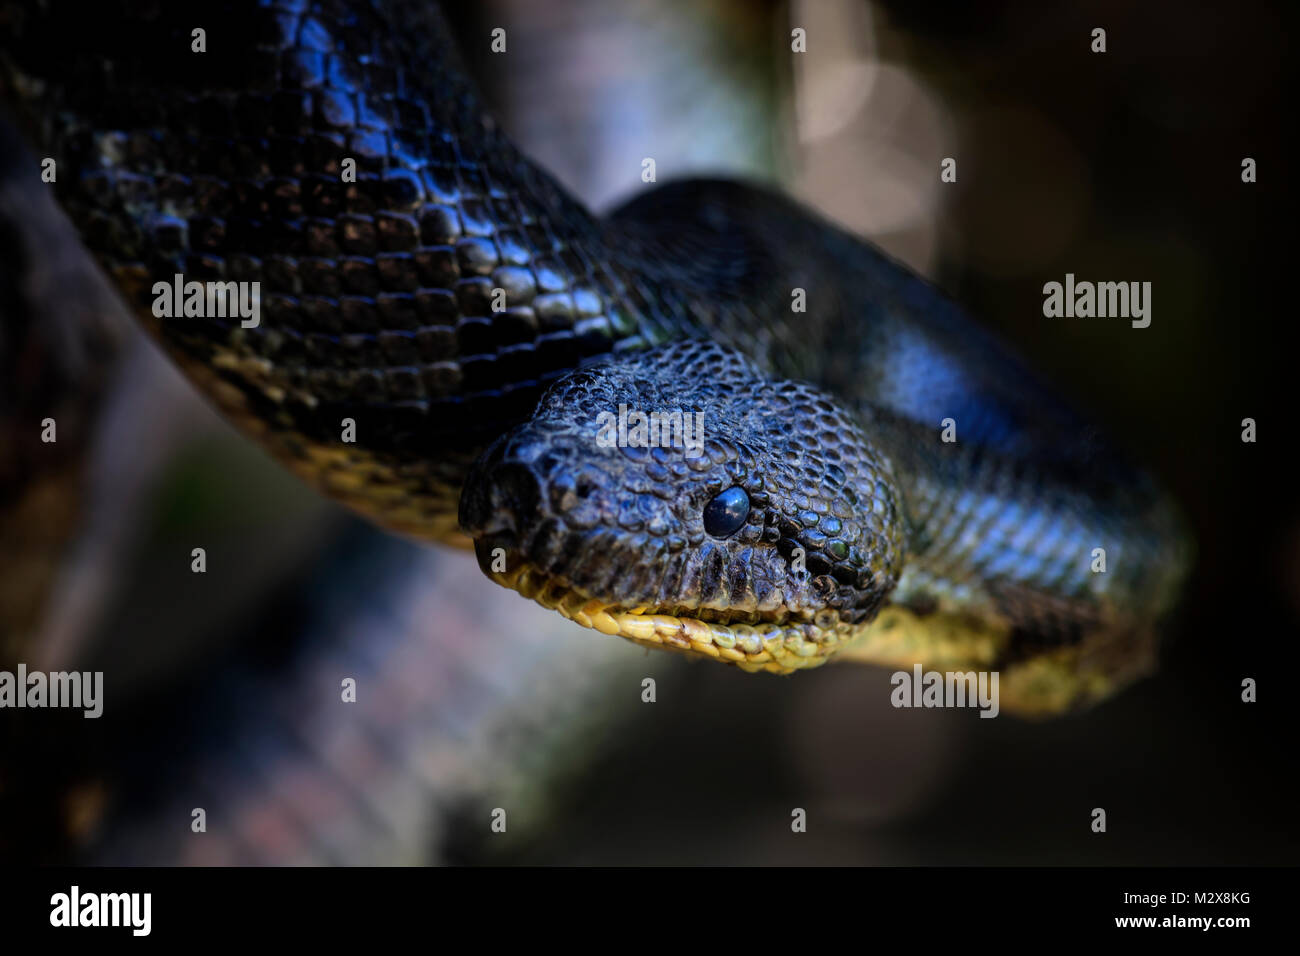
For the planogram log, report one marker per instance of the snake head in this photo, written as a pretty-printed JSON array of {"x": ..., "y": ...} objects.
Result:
[{"x": 680, "y": 498}]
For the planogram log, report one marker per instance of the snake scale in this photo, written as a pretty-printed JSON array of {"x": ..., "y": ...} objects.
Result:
[{"x": 440, "y": 335}]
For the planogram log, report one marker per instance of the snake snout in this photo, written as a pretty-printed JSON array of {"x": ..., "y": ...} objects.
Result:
[{"x": 500, "y": 502}]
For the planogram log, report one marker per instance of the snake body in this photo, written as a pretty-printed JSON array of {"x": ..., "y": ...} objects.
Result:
[{"x": 440, "y": 333}]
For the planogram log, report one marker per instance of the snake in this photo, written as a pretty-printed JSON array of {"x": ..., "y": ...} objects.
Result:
[{"x": 849, "y": 466}]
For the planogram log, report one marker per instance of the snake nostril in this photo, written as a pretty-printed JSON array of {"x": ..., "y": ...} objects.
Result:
[{"x": 567, "y": 489}]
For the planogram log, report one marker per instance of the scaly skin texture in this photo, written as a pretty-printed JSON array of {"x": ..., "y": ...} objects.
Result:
[
  {"x": 377, "y": 307},
  {"x": 818, "y": 552}
]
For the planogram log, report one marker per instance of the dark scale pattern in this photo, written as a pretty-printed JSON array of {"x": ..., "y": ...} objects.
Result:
[
  {"x": 377, "y": 306},
  {"x": 625, "y": 523},
  {"x": 376, "y": 294}
]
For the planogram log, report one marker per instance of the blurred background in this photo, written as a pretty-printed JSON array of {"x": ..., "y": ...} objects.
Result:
[{"x": 222, "y": 688}]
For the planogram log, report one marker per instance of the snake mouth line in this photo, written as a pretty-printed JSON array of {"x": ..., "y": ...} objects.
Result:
[{"x": 779, "y": 648}]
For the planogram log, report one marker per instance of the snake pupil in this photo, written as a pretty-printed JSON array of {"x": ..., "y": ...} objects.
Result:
[{"x": 726, "y": 513}]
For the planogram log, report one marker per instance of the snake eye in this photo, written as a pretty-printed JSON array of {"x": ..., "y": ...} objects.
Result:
[{"x": 724, "y": 515}]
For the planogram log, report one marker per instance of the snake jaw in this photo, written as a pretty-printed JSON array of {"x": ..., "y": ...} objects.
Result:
[{"x": 778, "y": 647}]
